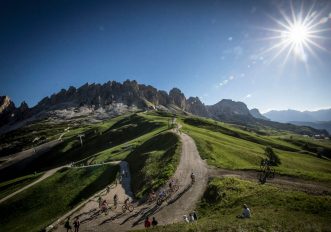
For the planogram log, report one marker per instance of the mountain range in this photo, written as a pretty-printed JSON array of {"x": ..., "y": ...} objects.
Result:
[
  {"x": 320, "y": 119},
  {"x": 298, "y": 116},
  {"x": 111, "y": 98}
]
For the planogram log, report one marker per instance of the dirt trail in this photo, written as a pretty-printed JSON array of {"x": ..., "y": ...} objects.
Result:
[
  {"x": 31, "y": 153},
  {"x": 43, "y": 177},
  {"x": 183, "y": 202},
  {"x": 286, "y": 182}
]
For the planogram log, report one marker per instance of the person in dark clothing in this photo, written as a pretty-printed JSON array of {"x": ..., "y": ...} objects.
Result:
[
  {"x": 154, "y": 222},
  {"x": 67, "y": 225},
  {"x": 147, "y": 223},
  {"x": 195, "y": 216},
  {"x": 76, "y": 224}
]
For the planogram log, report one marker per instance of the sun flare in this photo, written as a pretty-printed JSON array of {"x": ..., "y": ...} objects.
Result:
[{"x": 296, "y": 35}]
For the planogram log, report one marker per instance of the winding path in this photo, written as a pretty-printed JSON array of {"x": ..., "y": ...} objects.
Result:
[
  {"x": 180, "y": 204},
  {"x": 183, "y": 202},
  {"x": 43, "y": 177}
]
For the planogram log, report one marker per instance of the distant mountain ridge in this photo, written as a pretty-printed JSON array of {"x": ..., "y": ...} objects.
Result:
[
  {"x": 298, "y": 116},
  {"x": 114, "y": 98},
  {"x": 256, "y": 114}
]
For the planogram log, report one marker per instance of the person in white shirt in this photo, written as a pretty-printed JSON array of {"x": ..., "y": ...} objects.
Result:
[{"x": 246, "y": 212}]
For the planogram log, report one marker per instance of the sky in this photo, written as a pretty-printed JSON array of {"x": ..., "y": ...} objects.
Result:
[{"x": 268, "y": 54}]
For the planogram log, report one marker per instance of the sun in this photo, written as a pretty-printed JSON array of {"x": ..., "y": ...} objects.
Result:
[{"x": 296, "y": 34}]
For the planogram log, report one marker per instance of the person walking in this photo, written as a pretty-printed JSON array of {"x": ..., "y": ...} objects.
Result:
[
  {"x": 154, "y": 222},
  {"x": 67, "y": 225},
  {"x": 147, "y": 223},
  {"x": 76, "y": 224},
  {"x": 195, "y": 216}
]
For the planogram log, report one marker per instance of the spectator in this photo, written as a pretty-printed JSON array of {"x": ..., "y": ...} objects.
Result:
[
  {"x": 246, "y": 213},
  {"x": 67, "y": 225},
  {"x": 147, "y": 223},
  {"x": 154, "y": 222},
  {"x": 76, "y": 224}
]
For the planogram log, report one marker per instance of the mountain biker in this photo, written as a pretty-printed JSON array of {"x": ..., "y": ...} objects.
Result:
[
  {"x": 152, "y": 195},
  {"x": 192, "y": 177},
  {"x": 126, "y": 202},
  {"x": 162, "y": 193},
  {"x": 99, "y": 201},
  {"x": 104, "y": 206},
  {"x": 115, "y": 200},
  {"x": 108, "y": 189}
]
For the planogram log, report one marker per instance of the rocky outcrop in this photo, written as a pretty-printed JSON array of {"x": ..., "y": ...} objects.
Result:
[
  {"x": 256, "y": 114},
  {"x": 177, "y": 98},
  {"x": 196, "y": 107},
  {"x": 113, "y": 95},
  {"x": 229, "y": 108},
  {"x": 7, "y": 110},
  {"x": 9, "y": 113}
]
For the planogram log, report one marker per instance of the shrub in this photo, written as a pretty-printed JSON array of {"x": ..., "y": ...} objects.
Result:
[{"x": 272, "y": 156}]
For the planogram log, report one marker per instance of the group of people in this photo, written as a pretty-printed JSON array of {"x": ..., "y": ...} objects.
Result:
[
  {"x": 149, "y": 223},
  {"x": 191, "y": 217},
  {"x": 68, "y": 226}
]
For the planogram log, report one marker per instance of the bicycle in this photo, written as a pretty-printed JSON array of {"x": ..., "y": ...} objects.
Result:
[
  {"x": 174, "y": 187},
  {"x": 151, "y": 198},
  {"x": 161, "y": 199},
  {"x": 128, "y": 207}
]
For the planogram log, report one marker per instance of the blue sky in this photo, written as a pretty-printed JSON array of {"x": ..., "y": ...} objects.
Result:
[{"x": 210, "y": 49}]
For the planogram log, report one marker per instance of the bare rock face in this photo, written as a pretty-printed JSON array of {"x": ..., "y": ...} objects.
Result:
[
  {"x": 256, "y": 114},
  {"x": 105, "y": 97},
  {"x": 6, "y": 105},
  {"x": 196, "y": 107},
  {"x": 230, "y": 111},
  {"x": 177, "y": 98},
  {"x": 9, "y": 113},
  {"x": 7, "y": 110}
]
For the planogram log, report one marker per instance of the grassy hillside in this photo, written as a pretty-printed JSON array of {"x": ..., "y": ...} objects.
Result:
[
  {"x": 11, "y": 186},
  {"x": 98, "y": 138},
  {"x": 272, "y": 209},
  {"x": 227, "y": 147},
  {"x": 43, "y": 203},
  {"x": 154, "y": 162}
]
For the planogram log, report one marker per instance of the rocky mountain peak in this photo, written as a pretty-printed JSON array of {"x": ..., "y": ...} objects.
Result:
[
  {"x": 6, "y": 104},
  {"x": 177, "y": 98},
  {"x": 256, "y": 114}
]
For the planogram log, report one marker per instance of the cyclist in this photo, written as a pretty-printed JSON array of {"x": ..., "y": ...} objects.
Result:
[
  {"x": 162, "y": 194},
  {"x": 104, "y": 207},
  {"x": 192, "y": 177},
  {"x": 126, "y": 202},
  {"x": 152, "y": 195},
  {"x": 115, "y": 200}
]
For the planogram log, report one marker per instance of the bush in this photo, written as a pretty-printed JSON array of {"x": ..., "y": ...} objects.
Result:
[
  {"x": 213, "y": 193},
  {"x": 272, "y": 156}
]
